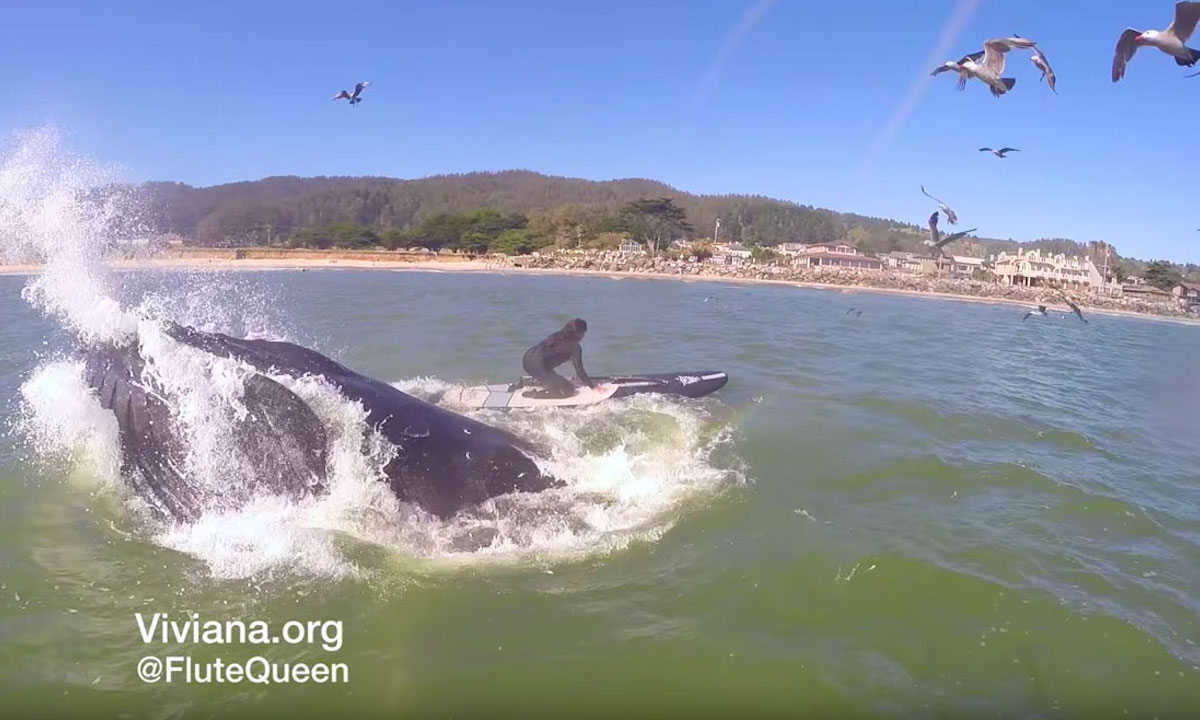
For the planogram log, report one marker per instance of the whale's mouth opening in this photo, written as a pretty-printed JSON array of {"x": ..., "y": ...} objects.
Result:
[{"x": 631, "y": 468}]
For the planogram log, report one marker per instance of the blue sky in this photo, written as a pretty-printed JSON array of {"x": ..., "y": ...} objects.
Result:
[{"x": 690, "y": 92}]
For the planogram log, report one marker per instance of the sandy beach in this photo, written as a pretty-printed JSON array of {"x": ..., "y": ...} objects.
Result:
[{"x": 225, "y": 261}]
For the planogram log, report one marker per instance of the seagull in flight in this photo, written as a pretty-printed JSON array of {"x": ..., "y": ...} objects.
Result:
[
  {"x": 1171, "y": 41},
  {"x": 987, "y": 66},
  {"x": 1040, "y": 312},
  {"x": 936, "y": 241},
  {"x": 950, "y": 216},
  {"x": 1070, "y": 303},
  {"x": 1040, "y": 61},
  {"x": 353, "y": 97},
  {"x": 1001, "y": 153}
]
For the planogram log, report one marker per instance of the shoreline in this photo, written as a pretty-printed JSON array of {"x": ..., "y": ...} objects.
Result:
[{"x": 466, "y": 266}]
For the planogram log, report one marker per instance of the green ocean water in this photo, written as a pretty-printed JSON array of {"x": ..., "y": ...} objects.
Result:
[{"x": 933, "y": 509}]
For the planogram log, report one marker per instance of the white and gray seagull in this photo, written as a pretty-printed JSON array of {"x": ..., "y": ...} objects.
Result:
[
  {"x": 987, "y": 66},
  {"x": 950, "y": 216},
  {"x": 1041, "y": 63},
  {"x": 353, "y": 97},
  {"x": 1001, "y": 153},
  {"x": 936, "y": 241},
  {"x": 1171, "y": 41}
]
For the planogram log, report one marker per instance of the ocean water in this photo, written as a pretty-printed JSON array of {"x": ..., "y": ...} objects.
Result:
[{"x": 933, "y": 509}]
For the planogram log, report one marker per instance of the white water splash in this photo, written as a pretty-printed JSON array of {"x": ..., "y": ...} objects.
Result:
[
  {"x": 59, "y": 209},
  {"x": 630, "y": 467}
]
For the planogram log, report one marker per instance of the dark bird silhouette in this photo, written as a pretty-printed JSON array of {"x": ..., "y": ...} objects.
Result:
[
  {"x": 1071, "y": 304},
  {"x": 1040, "y": 312},
  {"x": 1001, "y": 153},
  {"x": 935, "y": 239},
  {"x": 354, "y": 97}
]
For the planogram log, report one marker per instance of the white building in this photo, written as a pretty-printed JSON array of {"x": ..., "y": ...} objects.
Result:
[
  {"x": 1036, "y": 269},
  {"x": 911, "y": 262},
  {"x": 836, "y": 254},
  {"x": 961, "y": 265},
  {"x": 730, "y": 254}
]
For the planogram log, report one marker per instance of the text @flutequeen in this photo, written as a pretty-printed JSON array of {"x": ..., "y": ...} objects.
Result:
[{"x": 160, "y": 628}]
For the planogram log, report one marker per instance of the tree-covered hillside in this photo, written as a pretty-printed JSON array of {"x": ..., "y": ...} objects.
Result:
[{"x": 527, "y": 209}]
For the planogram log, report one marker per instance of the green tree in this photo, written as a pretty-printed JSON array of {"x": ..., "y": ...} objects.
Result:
[
  {"x": 310, "y": 237},
  {"x": 394, "y": 239},
  {"x": 656, "y": 221},
  {"x": 1162, "y": 275},
  {"x": 439, "y": 231},
  {"x": 763, "y": 255},
  {"x": 516, "y": 241},
  {"x": 702, "y": 249},
  {"x": 352, "y": 236}
]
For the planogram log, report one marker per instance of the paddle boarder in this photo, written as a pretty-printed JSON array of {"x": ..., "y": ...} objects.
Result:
[{"x": 559, "y": 347}]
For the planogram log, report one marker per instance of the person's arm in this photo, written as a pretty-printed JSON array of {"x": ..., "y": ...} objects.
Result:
[{"x": 577, "y": 360}]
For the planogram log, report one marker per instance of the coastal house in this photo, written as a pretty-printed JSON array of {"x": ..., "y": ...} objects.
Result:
[
  {"x": 836, "y": 254},
  {"x": 1187, "y": 293},
  {"x": 911, "y": 262},
  {"x": 729, "y": 254},
  {"x": 1145, "y": 292},
  {"x": 631, "y": 247},
  {"x": 1034, "y": 268},
  {"x": 961, "y": 265}
]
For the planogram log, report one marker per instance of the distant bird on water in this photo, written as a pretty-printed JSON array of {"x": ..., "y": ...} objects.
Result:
[
  {"x": 856, "y": 312},
  {"x": 1001, "y": 153},
  {"x": 1171, "y": 41},
  {"x": 987, "y": 66},
  {"x": 353, "y": 97},
  {"x": 936, "y": 241},
  {"x": 950, "y": 216},
  {"x": 1040, "y": 312}
]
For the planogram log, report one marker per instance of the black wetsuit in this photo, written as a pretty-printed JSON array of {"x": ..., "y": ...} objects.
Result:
[{"x": 541, "y": 359}]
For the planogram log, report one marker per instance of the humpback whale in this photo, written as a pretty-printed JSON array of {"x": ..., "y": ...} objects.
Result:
[{"x": 443, "y": 461}]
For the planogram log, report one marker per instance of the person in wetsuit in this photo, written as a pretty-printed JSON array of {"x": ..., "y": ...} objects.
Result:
[{"x": 541, "y": 359}]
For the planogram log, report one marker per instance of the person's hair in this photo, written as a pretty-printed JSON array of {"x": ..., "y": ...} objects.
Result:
[{"x": 576, "y": 327}]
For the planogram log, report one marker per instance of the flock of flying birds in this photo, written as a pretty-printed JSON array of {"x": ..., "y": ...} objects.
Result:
[{"x": 987, "y": 66}]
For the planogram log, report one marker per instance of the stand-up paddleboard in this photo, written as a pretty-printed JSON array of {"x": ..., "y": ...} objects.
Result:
[
  {"x": 524, "y": 392},
  {"x": 516, "y": 396}
]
